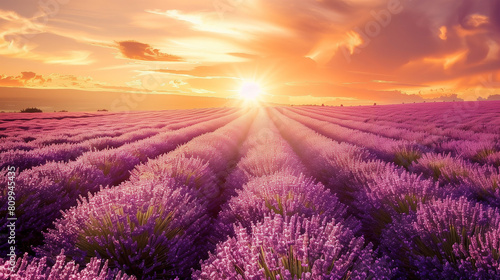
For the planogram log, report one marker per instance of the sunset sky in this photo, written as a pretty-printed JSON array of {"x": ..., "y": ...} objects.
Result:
[{"x": 297, "y": 51}]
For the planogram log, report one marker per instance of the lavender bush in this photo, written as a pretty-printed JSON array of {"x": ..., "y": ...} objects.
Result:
[
  {"x": 446, "y": 239},
  {"x": 390, "y": 195},
  {"x": 151, "y": 229},
  {"x": 294, "y": 248},
  {"x": 282, "y": 194},
  {"x": 38, "y": 269},
  {"x": 41, "y": 193}
]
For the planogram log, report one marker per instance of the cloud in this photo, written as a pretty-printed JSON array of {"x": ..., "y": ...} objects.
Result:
[
  {"x": 30, "y": 79},
  {"x": 27, "y": 78},
  {"x": 177, "y": 83},
  {"x": 20, "y": 37},
  {"x": 475, "y": 21},
  {"x": 447, "y": 98},
  {"x": 9, "y": 81},
  {"x": 327, "y": 90},
  {"x": 27, "y": 75},
  {"x": 428, "y": 43},
  {"x": 141, "y": 51},
  {"x": 494, "y": 97}
]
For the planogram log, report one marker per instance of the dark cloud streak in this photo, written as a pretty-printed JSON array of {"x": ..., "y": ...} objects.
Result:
[{"x": 141, "y": 51}]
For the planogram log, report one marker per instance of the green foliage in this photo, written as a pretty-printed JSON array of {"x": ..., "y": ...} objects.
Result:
[
  {"x": 403, "y": 205},
  {"x": 289, "y": 197},
  {"x": 289, "y": 261},
  {"x": 442, "y": 244},
  {"x": 483, "y": 154},
  {"x": 104, "y": 236},
  {"x": 405, "y": 157}
]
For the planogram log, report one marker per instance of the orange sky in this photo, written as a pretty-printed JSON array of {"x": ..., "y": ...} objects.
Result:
[{"x": 298, "y": 51}]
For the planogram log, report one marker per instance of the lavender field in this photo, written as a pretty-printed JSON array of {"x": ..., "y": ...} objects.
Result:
[{"x": 307, "y": 192}]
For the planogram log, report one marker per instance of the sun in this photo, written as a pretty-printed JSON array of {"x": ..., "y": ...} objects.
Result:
[{"x": 250, "y": 91}]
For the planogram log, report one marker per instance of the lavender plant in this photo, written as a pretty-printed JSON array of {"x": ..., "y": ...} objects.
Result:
[
  {"x": 279, "y": 194},
  {"x": 447, "y": 239},
  {"x": 294, "y": 248},
  {"x": 441, "y": 167},
  {"x": 484, "y": 187},
  {"x": 406, "y": 156},
  {"x": 478, "y": 182},
  {"x": 41, "y": 193},
  {"x": 151, "y": 229},
  {"x": 191, "y": 172},
  {"x": 38, "y": 269},
  {"x": 390, "y": 195}
]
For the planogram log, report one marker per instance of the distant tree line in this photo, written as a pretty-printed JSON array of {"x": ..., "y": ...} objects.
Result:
[
  {"x": 31, "y": 110},
  {"x": 37, "y": 110}
]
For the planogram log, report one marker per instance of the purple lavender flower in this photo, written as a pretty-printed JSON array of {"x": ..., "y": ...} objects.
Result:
[
  {"x": 42, "y": 192},
  {"x": 27, "y": 159},
  {"x": 442, "y": 168},
  {"x": 294, "y": 248},
  {"x": 150, "y": 228},
  {"x": 484, "y": 187},
  {"x": 446, "y": 239},
  {"x": 352, "y": 175},
  {"x": 493, "y": 159},
  {"x": 37, "y": 269},
  {"x": 470, "y": 179},
  {"x": 217, "y": 148},
  {"x": 283, "y": 194},
  {"x": 200, "y": 164},
  {"x": 385, "y": 148},
  {"x": 262, "y": 161},
  {"x": 115, "y": 164},
  {"x": 263, "y": 153},
  {"x": 16, "y": 145},
  {"x": 191, "y": 172},
  {"x": 474, "y": 150},
  {"x": 389, "y": 195}
]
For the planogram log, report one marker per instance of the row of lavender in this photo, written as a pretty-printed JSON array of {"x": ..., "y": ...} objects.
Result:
[
  {"x": 29, "y": 130},
  {"x": 17, "y": 123},
  {"x": 471, "y": 128},
  {"x": 432, "y": 120}
]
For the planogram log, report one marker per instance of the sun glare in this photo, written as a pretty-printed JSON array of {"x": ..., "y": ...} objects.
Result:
[{"x": 250, "y": 91}]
